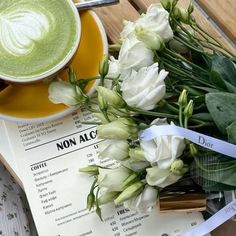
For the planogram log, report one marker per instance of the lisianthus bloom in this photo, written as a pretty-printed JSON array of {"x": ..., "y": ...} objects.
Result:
[
  {"x": 144, "y": 202},
  {"x": 135, "y": 165},
  {"x": 156, "y": 20},
  {"x": 136, "y": 154},
  {"x": 112, "y": 179},
  {"x": 129, "y": 192},
  {"x": 151, "y": 39},
  {"x": 134, "y": 55},
  {"x": 163, "y": 150},
  {"x": 161, "y": 177},
  {"x": 119, "y": 129},
  {"x": 111, "y": 97},
  {"x": 114, "y": 68},
  {"x": 144, "y": 88},
  {"x": 66, "y": 93},
  {"x": 114, "y": 149}
]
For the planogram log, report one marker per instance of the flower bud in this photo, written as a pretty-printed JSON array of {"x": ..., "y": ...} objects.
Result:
[
  {"x": 81, "y": 96},
  {"x": 151, "y": 39},
  {"x": 181, "y": 14},
  {"x": 111, "y": 97},
  {"x": 166, "y": 4},
  {"x": 184, "y": 17},
  {"x": 193, "y": 149},
  {"x": 100, "y": 116},
  {"x": 72, "y": 76},
  {"x": 99, "y": 212},
  {"x": 177, "y": 167},
  {"x": 130, "y": 192},
  {"x": 102, "y": 103},
  {"x": 119, "y": 129},
  {"x": 112, "y": 179},
  {"x": 183, "y": 98},
  {"x": 190, "y": 8},
  {"x": 107, "y": 197},
  {"x": 174, "y": 2},
  {"x": 92, "y": 170},
  {"x": 130, "y": 180},
  {"x": 114, "y": 149},
  {"x": 188, "y": 111},
  {"x": 90, "y": 201},
  {"x": 103, "y": 66},
  {"x": 137, "y": 154}
]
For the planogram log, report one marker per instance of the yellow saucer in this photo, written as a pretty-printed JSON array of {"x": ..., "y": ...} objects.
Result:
[{"x": 30, "y": 103}]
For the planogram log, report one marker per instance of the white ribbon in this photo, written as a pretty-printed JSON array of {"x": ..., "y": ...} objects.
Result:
[
  {"x": 214, "y": 144},
  {"x": 216, "y": 220}
]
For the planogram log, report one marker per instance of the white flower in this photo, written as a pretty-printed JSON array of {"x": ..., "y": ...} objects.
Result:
[
  {"x": 134, "y": 55},
  {"x": 135, "y": 165},
  {"x": 144, "y": 202},
  {"x": 112, "y": 179},
  {"x": 151, "y": 39},
  {"x": 144, "y": 88},
  {"x": 164, "y": 149},
  {"x": 156, "y": 19},
  {"x": 161, "y": 178},
  {"x": 63, "y": 92},
  {"x": 118, "y": 129},
  {"x": 128, "y": 29},
  {"x": 114, "y": 68},
  {"x": 111, "y": 97},
  {"x": 114, "y": 149}
]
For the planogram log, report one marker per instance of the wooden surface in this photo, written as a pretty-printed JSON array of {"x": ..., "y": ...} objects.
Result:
[
  {"x": 113, "y": 16},
  {"x": 223, "y": 13}
]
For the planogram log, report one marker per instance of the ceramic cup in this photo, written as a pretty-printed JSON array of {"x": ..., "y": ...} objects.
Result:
[{"x": 38, "y": 38}]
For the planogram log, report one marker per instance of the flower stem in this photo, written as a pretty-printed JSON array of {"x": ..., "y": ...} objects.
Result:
[
  {"x": 152, "y": 113},
  {"x": 185, "y": 60},
  {"x": 218, "y": 44},
  {"x": 181, "y": 116},
  {"x": 181, "y": 40}
]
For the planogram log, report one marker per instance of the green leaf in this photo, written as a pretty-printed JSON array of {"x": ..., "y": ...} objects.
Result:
[
  {"x": 231, "y": 131},
  {"x": 216, "y": 79},
  {"x": 233, "y": 59},
  {"x": 216, "y": 167},
  {"x": 206, "y": 89},
  {"x": 209, "y": 185},
  {"x": 224, "y": 67},
  {"x": 202, "y": 116},
  {"x": 230, "y": 87},
  {"x": 222, "y": 107}
]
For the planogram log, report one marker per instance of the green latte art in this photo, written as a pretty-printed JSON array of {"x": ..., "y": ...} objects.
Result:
[{"x": 35, "y": 36}]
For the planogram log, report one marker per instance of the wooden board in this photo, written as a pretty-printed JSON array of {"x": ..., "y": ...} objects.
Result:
[
  {"x": 223, "y": 13},
  {"x": 113, "y": 16}
]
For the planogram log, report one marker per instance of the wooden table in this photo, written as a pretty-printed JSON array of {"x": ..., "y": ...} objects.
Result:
[
  {"x": 217, "y": 16},
  {"x": 221, "y": 26}
]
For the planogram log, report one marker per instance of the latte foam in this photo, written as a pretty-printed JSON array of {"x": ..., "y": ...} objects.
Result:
[
  {"x": 20, "y": 28},
  {"x": 35, "y": 35}
]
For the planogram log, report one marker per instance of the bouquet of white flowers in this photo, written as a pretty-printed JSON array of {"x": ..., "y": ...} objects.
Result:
[{"x": 166, "y": 110}]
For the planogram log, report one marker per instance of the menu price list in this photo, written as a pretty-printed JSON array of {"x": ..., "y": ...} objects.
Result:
[{"x": 49, "y": 156}]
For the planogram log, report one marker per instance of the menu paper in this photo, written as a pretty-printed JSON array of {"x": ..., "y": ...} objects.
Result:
[{"x": 48, "y": 156}]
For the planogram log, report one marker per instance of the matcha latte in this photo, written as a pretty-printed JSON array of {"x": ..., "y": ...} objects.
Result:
[{"x": 37, "y": 37}]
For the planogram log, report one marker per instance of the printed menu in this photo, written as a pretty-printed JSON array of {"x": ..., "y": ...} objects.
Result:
[{"x": 48, "y": 156}]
